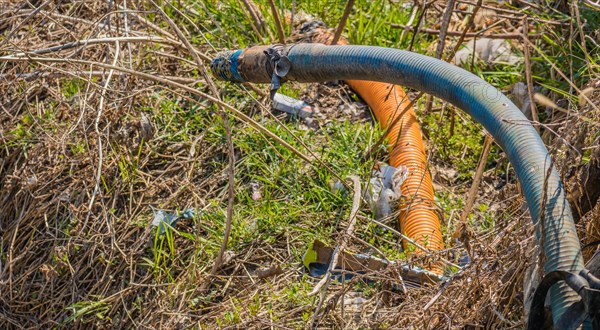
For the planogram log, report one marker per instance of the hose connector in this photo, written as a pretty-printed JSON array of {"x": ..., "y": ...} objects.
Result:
[
  {"x": 225, "y": 66},
  {"x": 511, "y": 129},
  {"x": 585, "y": 284},
  {"x": 258, "y": 64}
]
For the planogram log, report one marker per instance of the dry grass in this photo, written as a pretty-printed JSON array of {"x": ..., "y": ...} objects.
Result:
[
  {"x": 85, "y": 150},
  {"x": 69, "y": 236}
]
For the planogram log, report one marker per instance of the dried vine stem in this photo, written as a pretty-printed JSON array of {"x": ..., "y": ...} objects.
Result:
[
  {"x": 470, "y": 198},
  {"x": 470, "y": 34},
  {"x": 280, "y": 33},
  {"x": 340, "y": 28},
  {"x": 231, "y": 166},
  {"x": 324, "y": 282},
  {"x": 441, "y": 44},
  {"x": 528, "y": 75}
]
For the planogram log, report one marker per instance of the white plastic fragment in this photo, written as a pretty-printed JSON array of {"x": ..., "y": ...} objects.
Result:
[
  {"x": 491, "y": 51},
  {"x": 292, "y": 106},
  {"x": 384, "y": 189}
]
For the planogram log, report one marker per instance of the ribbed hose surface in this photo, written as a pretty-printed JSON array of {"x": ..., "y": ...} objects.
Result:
[
  {"x": 418, "y": 218},
  {"x": 510, "y": 128}
]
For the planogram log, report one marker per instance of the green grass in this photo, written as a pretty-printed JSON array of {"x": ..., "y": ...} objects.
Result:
[
  {"x": 295, "y": 201},
  {"x": 296, "y": 206}
]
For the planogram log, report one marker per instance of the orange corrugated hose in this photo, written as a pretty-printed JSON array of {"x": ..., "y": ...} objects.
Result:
[{"x": 418, "y": 217}]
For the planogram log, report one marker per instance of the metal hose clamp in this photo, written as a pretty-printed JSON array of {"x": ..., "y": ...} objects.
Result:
[{"x": 281, "y": 66}]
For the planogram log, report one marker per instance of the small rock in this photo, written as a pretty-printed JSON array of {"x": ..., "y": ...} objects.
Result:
[
  {"x": 447, "y": 175},
  {"x": 273, "y": 270},
  {"x": 520, "y": 96},
  {"x": 146, "y": 129},
  {"x": 32, "y": 181},
  {"x": 227, "y": 257}
]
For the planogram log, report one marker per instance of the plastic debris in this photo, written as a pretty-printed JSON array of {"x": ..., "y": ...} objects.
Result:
[
  {"x": 163, "y": 219},
  {"x": 384, "y": 189},
  {"x": 317, "y": 257},
  {"x": 255, "y": 191},
  {"x": 292, "y": 106},
  {"x": 491, "y": 51},
  {"x": 337, "y": 187}
]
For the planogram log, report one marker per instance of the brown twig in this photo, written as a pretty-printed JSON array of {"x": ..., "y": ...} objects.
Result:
[
  {"x": 444, "y": 29},
  {"x": 416, "y": 29},
  {"x": 528, "y": 75},
  {"x": 470, "y": 24},
  {"x": 98, "y": 41},
  {"x": 258, "y": 24},
  {"x": 324, "y": 282},
  {"x": 23, "y": 22},
  {"x": 494, "y": 8},
  {"x": 94, "y": 41},
  {"x": 278, "y": 25},
  {"x": 575, "y": 8},
  {"x": 463, "y": 231},
  {"x": 441, "y": 44},
  {"x": 231, "y": 195},
  {"x": 472, "y": 194},
  {"x": 231, "y": 171},
  {"x": 470, "y": 34},
  {"x": 413, "y": 14},
  {"x": 97, "y": 130},
  {"x": 342, "y": 23},
  {"x": 544, "y": 101},
  {"x": 52, "y": 75}
]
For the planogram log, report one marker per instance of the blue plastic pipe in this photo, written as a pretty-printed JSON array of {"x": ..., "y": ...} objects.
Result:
[{"x": 541, "y": 184}]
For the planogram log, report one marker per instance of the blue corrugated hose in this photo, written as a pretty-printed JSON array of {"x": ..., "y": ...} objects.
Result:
[{"x": 509, "y": 127}]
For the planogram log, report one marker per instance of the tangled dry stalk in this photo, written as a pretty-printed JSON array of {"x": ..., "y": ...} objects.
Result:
[
  {"x": 82, "y": 158},
  {"x": 67, "y": 199}
]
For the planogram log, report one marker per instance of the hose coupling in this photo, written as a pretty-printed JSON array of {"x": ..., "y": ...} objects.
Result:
[
  {"x": 281, "y": 66},
  {"x": 587, "y": 287},
  {"x": 258, "y": 64}
]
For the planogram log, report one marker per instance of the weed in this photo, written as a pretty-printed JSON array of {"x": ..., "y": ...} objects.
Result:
[{"x": 184, "y": 165}]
